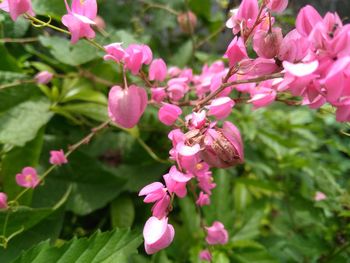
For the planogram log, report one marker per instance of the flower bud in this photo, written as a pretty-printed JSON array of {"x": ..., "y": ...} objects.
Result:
[
  {"x": 3, "y": 200},
  {"x": 43, "y": 77},
  {"x": 223, "y": 147},
  {"x": 187, "y": 22},
  {"x": 217, "y": 234}
]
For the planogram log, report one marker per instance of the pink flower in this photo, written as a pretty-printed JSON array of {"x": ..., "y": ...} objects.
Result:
[
  {"x": 157, "y": 70},
  {"x": 17, "y": 7},
  {"x": 114, "y": 52},
  {"x": 136, "y": 56},
  {"x": 156, "y": 193},
  {"x": 244, "y": 17},
  {"x": 57, "y": 157},
  {"x": 301, "y": 69},
  {"x": 294, "y": 47},
  {"x": 158, "y": 94},
  {"x": 236, "y": 51},
  {"x": 277, "y": 5},
  {"x": 176, "y": 181},
  {"x": 28, "y": 178},
  {"x": 126, "y": 106},
  {"x": 3, "y": 200},
  {"x": 319, "y": 196},
  {"x": 262, "y": 96},
  {"x": 221, "y": 107},
  {"x": 80, "y": 18},
  {"x": 158, "y": 234},
  {"x": 169, "y": 113},
  {"x": 43, "y": 77},
  {"x": 196, "y": 120},
  {"x": 306, "y": 20},
  {"x": 203, "y": 199},
  {"x": 206, "y": 182},
  {"x": 267, "y": 44},
  {"x": 217, "y": 234},
  {"x": 343, "y": 110},
  {"x": 187, "y": 156},
  {"x": 205, "y": 255}
]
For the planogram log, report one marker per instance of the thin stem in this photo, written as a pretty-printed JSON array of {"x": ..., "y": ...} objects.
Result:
[
  {"x": 45, "y": 24},
  {"x": 19, "y": 40},
  {"x": 191, "y": 29},
  {"x": 17, "y": 83},
  {"x": 151, "y": 152},
  {"x": 212, "y": 35},
  {"x": 159, "y": 6},
  {"x": 237, "y": 82}
]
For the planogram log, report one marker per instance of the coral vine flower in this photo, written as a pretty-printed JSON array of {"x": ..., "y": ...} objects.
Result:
[
  {"x": 217, "y": 234},
  {"x": 126, "y": 106},
  {"x": 3, "y": 200},
  {"x": 203, "y": 199},
  {"x": 319, "y": 196},
  {"x": 158, "y": 94},
  {"x": 80, "y": 18},
  {"x": 17, "y": 8},
  {"x": 114, "y": 52},
  {"x": 236, "y": 51},
  {"x": 176, "y": 181},
  {"x": 57, "y": 157},
  {"x": 43, "y": 77},
  {"x": 28, "y": 178},
  {"x": 158, "y": 234},
  {"x": 169, "y": 113},
  {"x": 205, "y": 255},
  {"x": 157, "y": 70},
  {"x": 136, "y": 55},
  {"x": 221, "y": 108},
  {"x": 277, "y": 5}
]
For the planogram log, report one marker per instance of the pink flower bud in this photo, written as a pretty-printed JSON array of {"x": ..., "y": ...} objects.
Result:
[
  {"x": 3, "y": 200},
  {"x": 196, "y": 120},
  {"x": 100, "y": 23},
  {"x": 43, "y": 77},
  {"x": 262, "y": 97},
  {"x": 57, "y": 157},
  {"x": 223, "y": 147},
  {"x": 157, "y": 70},
  {"x": 158, "y": 94},
  {"x": 217, "y": 234},
  {"x": 236, "y": 51},
  {"x": 28, "y": 178},
  {"x": 319, "y": 196},
  {"x": 169, "y": 113},
  {"x": 205, "y": 255},
  {"x": 306, "y": 20},
  {"x": 267, "y": 44},
  {"x": 126, "y": 106},
  {"x": 277, "y": 6},
  {"x": 158, "y": 234},
  {"x": 176, "y": 181},
  {"x": 156, "y": 193},
  {"x": 136, "y": 55},
  {"x": 187, "y": 156},
  {"x": 187, "y": 22},
  {"x": 221, "y": 107},
  {"x": 203, "y": 199},
  {"x": 17, "y": 8}
]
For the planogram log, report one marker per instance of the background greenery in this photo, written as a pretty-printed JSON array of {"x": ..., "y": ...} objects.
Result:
[{"x": 86, "y": 209}]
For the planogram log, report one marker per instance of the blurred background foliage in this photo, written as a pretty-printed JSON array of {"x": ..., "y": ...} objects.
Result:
[{"x": 267, "y": 204}]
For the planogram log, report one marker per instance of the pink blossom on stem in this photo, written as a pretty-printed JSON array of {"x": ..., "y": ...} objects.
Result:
[
  {"x": 216, "y": 234},
  {"x": 221, "y": 108},
  {"x": 80, "y": 18},
  {"x": 203, "y": 199},
  {"x": 136, "y": 56},
  {"x": 262, "y": 97},
  {"x": 17, "y": 8},
  {"x": 244, "y": 17},
  {"x": 157, "y": 70},
  {"x": 169, "y": 113},
  {"x": 43, "y": 77},
  {"x": 126, "y": 106},
  {"x": 306, "y": 20},
  {"x": 158, "y": 94},
  {"x": 158, "y": 234},
  {"x": 28, "y": 178},
  {"x": 236, "y": 51},
  {"x": 187, "y": 156},
  {"x": 267, "y": 44},
  {"x": 58, "y": 157},
  {"x": 319, "y": 196},
  {"x": 196, "y": 120},
  {"x": 176, "y": 181},
  {"x": 277, "y": 5},
  {"x": 3, "y": 200},
  {"x": 114, "y": 52},
  {"x": 205, "y": 255}
]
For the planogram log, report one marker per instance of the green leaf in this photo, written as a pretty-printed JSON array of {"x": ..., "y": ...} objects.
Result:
[
  {"x": 107, "y": 247},
  {"x": 93, "y": 186},
  {"x": 69, "y": 54},
  {"x": 53, "y": 8},
  {"x": 183, "y": 55},
  {"x": 8, "y": 62},
  {"x": 201, "y": 7},
  {"x": 94, "y": 111},
  {"x": 21, "y": 123},
  {"x": 122, "y": 212},
  {"x": 14, "y": 29}
]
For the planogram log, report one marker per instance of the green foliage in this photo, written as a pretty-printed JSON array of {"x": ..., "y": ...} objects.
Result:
[{"x": 114, "y": 246}]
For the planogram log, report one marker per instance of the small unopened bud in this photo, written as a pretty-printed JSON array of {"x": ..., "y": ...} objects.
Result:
[
  {"x": 187, "y": 22},
  {"x": 223, "y": 147},
  {"x": 100, "y": 23}
]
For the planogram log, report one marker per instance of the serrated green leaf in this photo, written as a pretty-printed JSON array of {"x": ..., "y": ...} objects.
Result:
[
  {"x": 122, "y": 212},
  {"x": 107, "y": 247}
]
